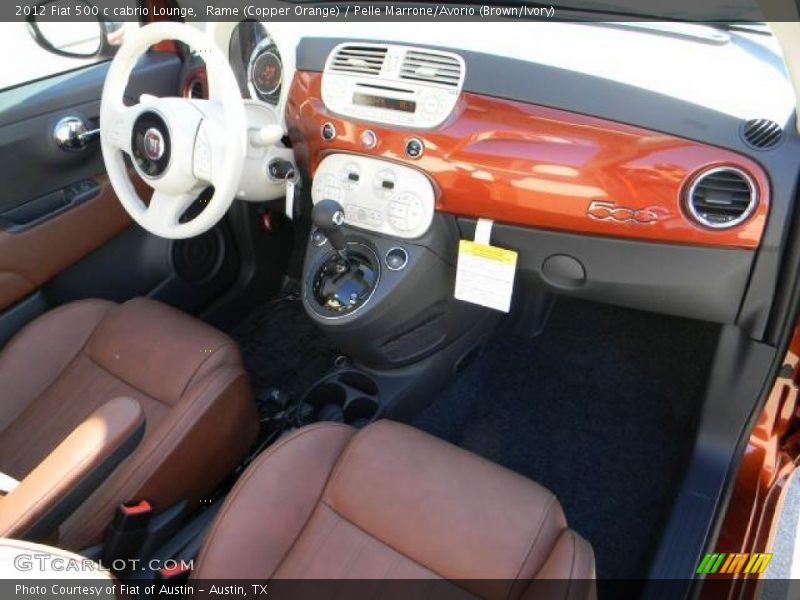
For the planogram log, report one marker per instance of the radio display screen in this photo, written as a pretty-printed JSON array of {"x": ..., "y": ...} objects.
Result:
[{"x": 408, "y": 106}]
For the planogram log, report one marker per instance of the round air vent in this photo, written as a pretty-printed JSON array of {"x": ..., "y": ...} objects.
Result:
[
  {"x": 195, "y": 89},
  {"x": 762, "y": 133},
  {"x": 722, "y": 197}
]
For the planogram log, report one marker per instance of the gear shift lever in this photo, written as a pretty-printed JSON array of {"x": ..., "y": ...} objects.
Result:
[
  {"x": 328, "y": 216},
  {"x": 343, "y": 281}
]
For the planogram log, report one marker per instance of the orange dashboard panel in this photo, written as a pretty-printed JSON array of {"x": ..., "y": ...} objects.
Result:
[{"x": 530, "y": 165}]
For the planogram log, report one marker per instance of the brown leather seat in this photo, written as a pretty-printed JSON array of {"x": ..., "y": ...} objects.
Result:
[
  {"x": 392, "y": 502},
  {"x": 92, "y": 370}
]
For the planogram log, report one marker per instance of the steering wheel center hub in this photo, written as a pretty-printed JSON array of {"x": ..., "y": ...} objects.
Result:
[{"x": 151, "y": 144}]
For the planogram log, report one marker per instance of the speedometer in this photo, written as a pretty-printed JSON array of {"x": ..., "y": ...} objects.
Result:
[{"x": 265, "y": 72}]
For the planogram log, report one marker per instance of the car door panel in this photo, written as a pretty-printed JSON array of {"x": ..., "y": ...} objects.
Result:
[
  {"x": 32, "y": 164},
  {"x": 63, "y": 233},
  {"x": 32, "y": 256}
]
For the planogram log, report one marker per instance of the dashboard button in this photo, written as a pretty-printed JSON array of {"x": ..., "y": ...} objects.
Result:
[
  {"x": 396, "y": 209},
  {"x": 349, "y": 176},
  {"x": 384, "y": 183},
  {"x": 369, "y": 139},
  {"x": 414, "y": 212},
  {"x": 430, "y": 105},
  {"x": 396, "y": 259},
  {"x": 414, "y": 148},
  {"x": 328, "y": 131}
]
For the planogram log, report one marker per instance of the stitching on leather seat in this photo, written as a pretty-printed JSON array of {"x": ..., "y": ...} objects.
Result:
[
  {"x": 202, "y": 364},
  {"x": 535, "y": 539},
  {"x": 572, "y": 566},
  {"x": 388, "y": 545},
  {"x": 38, "y": 321}
]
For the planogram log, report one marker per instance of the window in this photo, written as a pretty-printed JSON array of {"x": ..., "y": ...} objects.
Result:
[{"x": 71, "y": 46}]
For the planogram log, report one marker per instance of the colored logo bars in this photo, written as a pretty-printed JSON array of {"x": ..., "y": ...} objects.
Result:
[{"x": 733, "y": 563}]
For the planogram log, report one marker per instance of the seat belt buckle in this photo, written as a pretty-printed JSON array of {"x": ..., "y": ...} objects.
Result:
[
  {"x": 127, "y": 532},
  {"x": 133, "y": 515}
]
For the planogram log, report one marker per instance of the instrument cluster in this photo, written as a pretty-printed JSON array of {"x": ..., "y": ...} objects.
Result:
[{"x": 256, "y": 62}]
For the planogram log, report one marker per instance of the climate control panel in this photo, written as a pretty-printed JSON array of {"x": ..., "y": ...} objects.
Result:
[{"x": 377, "y": 195}]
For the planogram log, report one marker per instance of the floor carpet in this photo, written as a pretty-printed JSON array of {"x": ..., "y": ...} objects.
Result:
[
  {"x": 600, "y": 408},
  {"x": 282, "y": 348}
]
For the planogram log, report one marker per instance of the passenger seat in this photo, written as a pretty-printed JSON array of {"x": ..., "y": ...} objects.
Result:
[{"x": 392, "y": 502}]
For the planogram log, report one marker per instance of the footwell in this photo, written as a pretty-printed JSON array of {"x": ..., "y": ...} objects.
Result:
[
  {"x": 282, "y": 348},
  {"x": 601, "y": 409}
]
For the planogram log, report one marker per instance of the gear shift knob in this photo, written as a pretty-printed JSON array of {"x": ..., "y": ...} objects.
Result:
[{"x": 328, "y": 216}]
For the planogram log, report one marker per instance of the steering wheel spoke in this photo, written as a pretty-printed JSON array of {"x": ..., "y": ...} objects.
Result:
[
  {"x": 165, "y": 210},
  {"x": 120, "y": 126},
  {"x": 210, "y": 148}
]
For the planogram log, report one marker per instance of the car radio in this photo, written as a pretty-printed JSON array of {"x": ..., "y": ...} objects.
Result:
[{"x": 391, "y": 84}]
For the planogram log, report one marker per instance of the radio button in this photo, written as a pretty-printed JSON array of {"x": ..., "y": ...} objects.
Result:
[
  {"x": 384, "y": 184},
  {"x": 397, "y": 210},
  {"x": 430, "y": 105},
  {"x": 350, "y": 175},
  {"x": 414, "y": 212}
]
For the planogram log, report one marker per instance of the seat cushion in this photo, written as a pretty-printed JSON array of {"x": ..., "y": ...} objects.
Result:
[
  {"x": 390, "y": 501},
  {"x": 186, "y": 376}
]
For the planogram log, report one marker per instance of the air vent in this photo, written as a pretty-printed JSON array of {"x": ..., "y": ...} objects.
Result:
[
  {"x": 431, "y": 67},
  {"x": 762, "y": 133},
  {"x": 196, "y": 89},
  {"x": 722, "y": 197},
  {"x": 359, "y": 60}
]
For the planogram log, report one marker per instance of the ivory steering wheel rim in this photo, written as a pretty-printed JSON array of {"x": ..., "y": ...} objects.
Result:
[{"x": 178, "y": 146}]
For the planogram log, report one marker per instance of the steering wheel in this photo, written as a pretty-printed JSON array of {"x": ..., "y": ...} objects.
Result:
[{"x": 178, "y": 146}]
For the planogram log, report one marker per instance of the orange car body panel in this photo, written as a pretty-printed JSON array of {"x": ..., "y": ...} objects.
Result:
[
  {"x": 534, "y": 166},
  {"x": 771, "y": 456}
]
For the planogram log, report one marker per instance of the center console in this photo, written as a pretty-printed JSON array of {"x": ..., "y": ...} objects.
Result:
[
  {"x": 378, "y": 280},
  {"x": 380, "y": 264}
]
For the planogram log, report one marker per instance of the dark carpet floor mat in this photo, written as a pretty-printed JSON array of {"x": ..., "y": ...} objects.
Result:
[
  {"x": 600, "y": 408},
  {"x": 282, "y": 348}
]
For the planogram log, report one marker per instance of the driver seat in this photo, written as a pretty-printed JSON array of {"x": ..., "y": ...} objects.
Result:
[{"x": 106, "y": 403}]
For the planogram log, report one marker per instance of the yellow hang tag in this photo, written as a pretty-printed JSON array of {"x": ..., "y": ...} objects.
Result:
[{"x": 485, "y": 275}]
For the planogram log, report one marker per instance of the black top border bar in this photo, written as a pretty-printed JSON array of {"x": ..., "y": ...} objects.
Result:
[{"x": 697, "y": 11}]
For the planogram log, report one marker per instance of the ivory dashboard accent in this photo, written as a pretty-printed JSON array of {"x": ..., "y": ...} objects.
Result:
[
  {"x": 377, "y": 195},
  {"x": 541, "y": 167}
]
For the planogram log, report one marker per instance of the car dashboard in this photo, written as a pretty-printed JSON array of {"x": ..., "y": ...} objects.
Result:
[{"x": 647, "y": 174}]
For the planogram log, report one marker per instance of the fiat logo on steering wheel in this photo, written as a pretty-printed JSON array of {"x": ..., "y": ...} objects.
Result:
[{"x": 153, "y": 143}]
